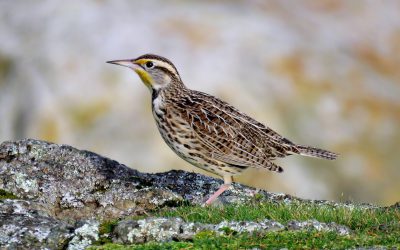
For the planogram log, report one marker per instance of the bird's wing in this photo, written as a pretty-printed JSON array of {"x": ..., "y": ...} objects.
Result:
[{"x": 232, "y": 136}]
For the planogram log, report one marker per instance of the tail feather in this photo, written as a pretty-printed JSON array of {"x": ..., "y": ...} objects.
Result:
[{"x": 316, "y": 152}]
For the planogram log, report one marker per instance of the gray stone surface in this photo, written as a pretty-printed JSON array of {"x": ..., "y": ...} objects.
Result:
[
  {"x": 167, "y": 229},
  {"x": 318, "y": 226},
  {"x": 70, "y": 184},
  {"x": 84, "y": 235},
  {"x": 149, "y": 229},
  {"x": 32, "y": 231}
]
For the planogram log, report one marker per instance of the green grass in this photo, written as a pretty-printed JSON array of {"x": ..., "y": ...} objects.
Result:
[
  {"x": 370, "y": 227},
  {"x": 359, "y": 219}
]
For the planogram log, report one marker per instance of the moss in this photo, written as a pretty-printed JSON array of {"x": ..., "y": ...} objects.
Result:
[
  {"x": 258, "y": 197},
  {"x": 105, "y": 230},
  {"x": 204, "y": 235},
  {"x": 107, "y": 227},
  {"x": 7, "y": 195}
]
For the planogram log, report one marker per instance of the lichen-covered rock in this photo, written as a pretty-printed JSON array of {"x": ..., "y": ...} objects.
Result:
[
  {"x": 249, "y": 226},
  {"x": 167, "y": 229},
  {"x": 20, "y": 231},
  {"x": 24, "y": 226},
  {"x": 84, "y": 235},
  {"x": 71, "y": 184},
  {"x": 149, "y": 229},
  {"x": 21, "y": 207},
  {"x": 319, "y": 226}
]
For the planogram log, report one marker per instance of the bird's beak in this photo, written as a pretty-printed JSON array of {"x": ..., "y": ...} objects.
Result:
[
  {"x": 135, "y": 65},
  {"x": 126, "y": 63}
]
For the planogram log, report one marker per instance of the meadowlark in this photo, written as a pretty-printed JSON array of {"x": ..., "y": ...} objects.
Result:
[{"x": 208, "y": 132}]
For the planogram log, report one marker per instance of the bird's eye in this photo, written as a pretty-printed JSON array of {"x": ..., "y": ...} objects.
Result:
[{"x": 149, "y": 64}]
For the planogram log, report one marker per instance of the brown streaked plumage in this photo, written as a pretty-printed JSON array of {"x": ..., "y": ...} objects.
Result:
[{"x": 208, "y": 132}]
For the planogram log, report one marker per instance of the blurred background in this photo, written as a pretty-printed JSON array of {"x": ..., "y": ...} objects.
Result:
[{"x": 323, "y": 73}]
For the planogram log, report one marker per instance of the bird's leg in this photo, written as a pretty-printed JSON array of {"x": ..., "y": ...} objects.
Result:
[
  {"x": 225, "y": 186},
  {"x": 218, "y": 193}
]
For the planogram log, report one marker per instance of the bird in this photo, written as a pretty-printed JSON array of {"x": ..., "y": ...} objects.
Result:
[{"x": 208, "y": 132}]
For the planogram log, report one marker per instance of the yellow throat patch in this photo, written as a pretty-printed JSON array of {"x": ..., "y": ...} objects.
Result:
[{"x": 146, "y": 77}]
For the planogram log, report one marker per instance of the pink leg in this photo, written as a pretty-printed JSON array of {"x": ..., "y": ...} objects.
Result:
[
  {"x": 225, "y": 186},
  {"x": 218, "y": 193}
]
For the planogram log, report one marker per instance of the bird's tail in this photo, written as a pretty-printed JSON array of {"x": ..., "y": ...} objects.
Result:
[{"x": 316, "y": 152}]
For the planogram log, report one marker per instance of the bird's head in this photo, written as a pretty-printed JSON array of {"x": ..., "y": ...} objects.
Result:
[{"x": 155, "y": 71}]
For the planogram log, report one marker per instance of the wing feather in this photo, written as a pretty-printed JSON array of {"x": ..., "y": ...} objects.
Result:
[{"x": 231, "y": 136}]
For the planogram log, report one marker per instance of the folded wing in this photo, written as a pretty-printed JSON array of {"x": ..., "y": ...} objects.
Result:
[{"x": 233, "y": 137}]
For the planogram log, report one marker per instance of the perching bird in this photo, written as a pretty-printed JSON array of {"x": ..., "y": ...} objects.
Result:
[{"x": 208, "y": 132}]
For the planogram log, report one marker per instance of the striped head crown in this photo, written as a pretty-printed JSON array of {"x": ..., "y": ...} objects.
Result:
[{"x": 156, "y": 72}]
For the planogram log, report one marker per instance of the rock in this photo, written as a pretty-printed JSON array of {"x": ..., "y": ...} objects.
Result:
[
  {"x": 249, "y": 226},
  {"x": 84, "y": 235},
  {"x": 167, "y": 229},
  {"x": 21, "y": 207},
  {"x": 29, "y": 230},
  {"x": 55, "y": 196},
  {"x": 23, "y": 227},
  {"x": 72, "y": 185},
  {"x": 149, "y": 229},
  {"x": 319, "y": 226}
]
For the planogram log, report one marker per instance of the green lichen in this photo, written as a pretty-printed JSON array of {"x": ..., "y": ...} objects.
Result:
[{"x": 7, "y": 195}]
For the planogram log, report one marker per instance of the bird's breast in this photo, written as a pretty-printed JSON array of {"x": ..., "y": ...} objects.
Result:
[
  {"x": 158, "y": 105},
  {"x": 175, "y": 130}
]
